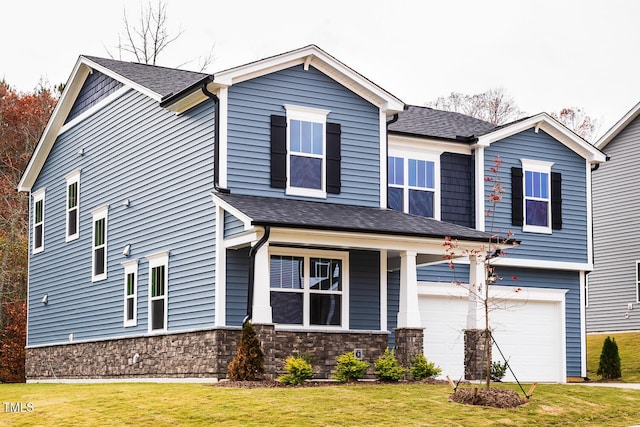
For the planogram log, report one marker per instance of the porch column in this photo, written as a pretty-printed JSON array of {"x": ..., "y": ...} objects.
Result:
[
  {"x": 261, "y": 294},
  {"x": 409, "y": 313},
  {"x": 476, "y": 286}
]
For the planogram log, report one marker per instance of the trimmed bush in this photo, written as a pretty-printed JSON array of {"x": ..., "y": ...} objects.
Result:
[
  {"x": 248, "y": 365},
  {"x": 350, "y": 368},
  {"x": 387, "y": 368},
  {"x": 498, "y": 370},
  {"x": 421, "y": 368},
  {"x": 298, "y": 370},
  {"x": 610, "y": 366}
]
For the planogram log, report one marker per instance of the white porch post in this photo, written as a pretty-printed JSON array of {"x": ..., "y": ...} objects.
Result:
[
  {"x": 409, "y": 313},
  {"x": 477, "y": 276},
  {"x": 261, "y": 294}
]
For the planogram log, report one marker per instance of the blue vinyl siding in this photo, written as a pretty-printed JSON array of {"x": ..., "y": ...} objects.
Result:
[
  {"x": 96, "y": 87},
  {"x": 550, "y": 279},
  {"x": 568, "y": 244},
  {"x": 251, "y": 103},
  {"x": 232, "y": 225},
  {"x": 237, "y": 282},
  {"x": 393, "y": 304},
  {"x": 364, "y": 290},
  {"x": 457, "y": 189},
  {"x": 161, "y": 163}
]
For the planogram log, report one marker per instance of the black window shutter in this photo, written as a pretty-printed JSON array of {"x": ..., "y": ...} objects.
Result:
[
  {"x": 517, "y": 217},
  {"x": 278, "y": 151},
  {"x": 333, "y": 158},
  {"x": 556, "y": 201}
]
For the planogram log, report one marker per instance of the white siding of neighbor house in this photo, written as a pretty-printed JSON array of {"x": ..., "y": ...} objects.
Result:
[{"x": 616, "y": 233}]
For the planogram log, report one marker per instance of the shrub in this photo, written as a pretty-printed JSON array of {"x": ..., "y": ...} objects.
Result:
[
  {"x": 498, "y": 370},
  {"x": 298, "y": 370},
  {"x": 421, "y": 368},
  {"x": 609, "y": 367},
  {"x": 350, "y": 368},
  {"x": 248, "y": 365},
  {"x": 387, "y": 368}
]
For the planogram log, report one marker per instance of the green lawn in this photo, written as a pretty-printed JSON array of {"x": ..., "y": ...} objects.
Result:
[
  {"x": 364, "y": 405},
  {"x": 629, "y": 348}
]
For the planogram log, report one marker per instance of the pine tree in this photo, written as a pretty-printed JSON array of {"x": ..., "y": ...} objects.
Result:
[
  {"x": 610, "y": 367},
  {"x": 248, "y": 365}
]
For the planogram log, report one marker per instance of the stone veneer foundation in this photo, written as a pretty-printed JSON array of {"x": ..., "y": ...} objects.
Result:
[{"x": 205, "y": 354}]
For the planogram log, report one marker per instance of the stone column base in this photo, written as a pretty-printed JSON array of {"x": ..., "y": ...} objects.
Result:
[
  {"x": 474, "y": 354},
  {"x": 409, "y": 343}
]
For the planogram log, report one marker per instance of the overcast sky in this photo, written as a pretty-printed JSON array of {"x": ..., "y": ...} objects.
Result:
[{"x": 547, "y": 54}]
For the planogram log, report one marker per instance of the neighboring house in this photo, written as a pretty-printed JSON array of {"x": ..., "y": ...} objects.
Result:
[
  {"x": 168, "y": 207},
  {"x": 613, "y": 296}
]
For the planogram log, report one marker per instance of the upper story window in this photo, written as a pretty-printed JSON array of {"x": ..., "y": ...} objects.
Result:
[
  {"x": 158, "y": 291},
  {"x": 305, "y": 152},
  {"x": 309, "y": 288},
  {"x": 38, "y": 221},
  {"x": 99, "y": 246},
  {"x": 536, "y": 197},
  {"x": 73, "y": 205},
  {"x": 130, "y": 293},
  {"x": 413, "y": 183}
]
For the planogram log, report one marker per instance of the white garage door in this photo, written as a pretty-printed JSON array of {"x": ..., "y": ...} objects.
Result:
[{"x": 528, "y": 326}]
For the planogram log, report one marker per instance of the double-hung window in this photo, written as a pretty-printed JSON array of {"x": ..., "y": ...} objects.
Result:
[
  {"x": 306, "y": 154},
  {"x": 309, "y": 288},
  {"x": 537, "y": 195},
  {"x": 99, "y": 249},
  {"x": 73, "y": 205},
  {"x": 38, "y": 221},
  {"x": 130, "y": 293},
  {"x": 158, "y": 291},
  {"x": 413, "y": 182}
]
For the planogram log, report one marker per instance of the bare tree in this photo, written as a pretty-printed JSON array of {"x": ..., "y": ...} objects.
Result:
[
  {"x": 494, "y": 105},
  {"x": 578, "y": 121},
  {"x": 150, "y": 37}
]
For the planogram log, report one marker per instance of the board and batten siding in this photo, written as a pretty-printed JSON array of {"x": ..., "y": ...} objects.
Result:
[
  {"x": 364, "y": 290},
  {"x": 251, "y": 103},
  {"x": 237, "y": 285},
  {"x": 162, "y": 164},
  {"x": 457, "y": 189},
  {"x": 566, "y": 245},
  {"x": 616, "y": 231}
]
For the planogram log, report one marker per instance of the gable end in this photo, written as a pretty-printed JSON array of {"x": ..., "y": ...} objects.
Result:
[{"x": 96, "y": 87}]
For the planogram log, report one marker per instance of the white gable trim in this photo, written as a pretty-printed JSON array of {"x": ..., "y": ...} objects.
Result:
[
  {"x": 618, "y": 127},
  {"x": 551, "y": 126},
  {"x": 233, "y": 211},
  {"x": 306, "y": 56},
  {"x": 80, "y": 72}
]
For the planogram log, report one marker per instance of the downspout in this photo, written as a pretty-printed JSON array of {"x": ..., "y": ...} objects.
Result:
[
  {"x": 252, "y": 266},
  {"x": 394, "y": 119},
  {"x": 216, "y": 141}
]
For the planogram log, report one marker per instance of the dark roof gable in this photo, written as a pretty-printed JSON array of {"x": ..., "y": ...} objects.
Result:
[
  {"x": 425, "y": 121},
  {"x": 161, "y": 80}
]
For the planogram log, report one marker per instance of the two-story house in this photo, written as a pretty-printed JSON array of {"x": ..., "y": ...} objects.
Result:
[
  {"x": 613, "y": 295},
  {"x": 168, "y": 207}
]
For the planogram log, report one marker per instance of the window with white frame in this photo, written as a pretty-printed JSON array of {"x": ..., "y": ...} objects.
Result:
[
  {"x": 99, "y": 244},
  {"x": 413, "y": 183},
  {"x": 158, "y": 291},
  {"x": 306, "y": 151},
  {"x": 309, "y": 288},
  {"x": 130, "y": 293},
  {"x": 73, "y": 205},
  {"x": 38, "y": 221},
  {"x": 537, "y": 195}
]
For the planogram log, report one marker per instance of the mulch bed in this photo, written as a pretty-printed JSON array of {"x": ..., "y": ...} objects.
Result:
[
  {"x": 494, "y": 397},
  {"x": 315, "y": 383}
]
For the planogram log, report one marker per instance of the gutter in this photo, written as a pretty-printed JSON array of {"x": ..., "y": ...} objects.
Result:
[
  {"x": 216, "y": 139},
  {"x": 252, "y": 267}
]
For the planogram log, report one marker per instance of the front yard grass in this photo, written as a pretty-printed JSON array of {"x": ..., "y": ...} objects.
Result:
[
  {"x": 149, "y": 404},
  {"x": 629, "y": 349}
]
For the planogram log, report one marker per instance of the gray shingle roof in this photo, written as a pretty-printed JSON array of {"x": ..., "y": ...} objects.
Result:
[
  {"x": 331, "y": 216},
  {"x": 161, "y": 80},
  {"x": 426, "y": 121}
]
